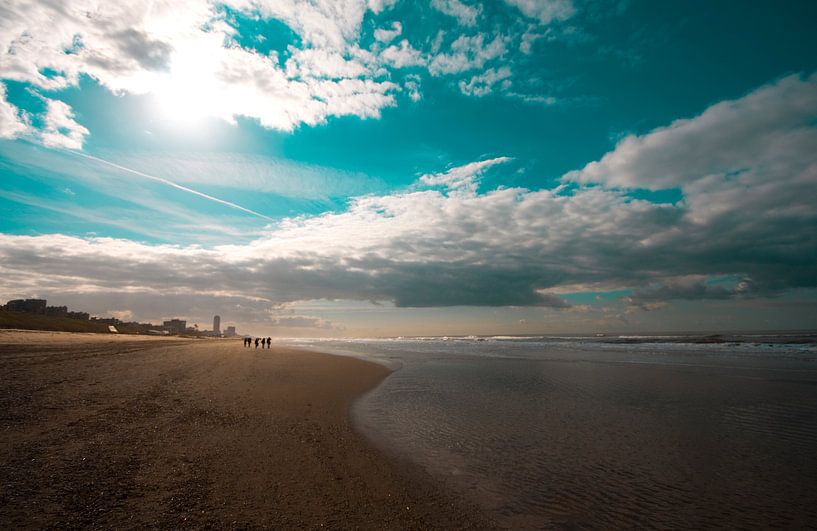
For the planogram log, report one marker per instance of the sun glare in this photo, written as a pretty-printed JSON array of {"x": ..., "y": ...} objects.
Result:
[{"x": 188, "y": 93}]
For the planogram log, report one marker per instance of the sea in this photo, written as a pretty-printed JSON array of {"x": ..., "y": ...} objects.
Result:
[{"x": 682, "y": 431}]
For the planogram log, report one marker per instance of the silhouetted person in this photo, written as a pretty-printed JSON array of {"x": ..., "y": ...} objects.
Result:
[
  {"x": 269, "y": 340},
  {"x": 256, "y": 342}
]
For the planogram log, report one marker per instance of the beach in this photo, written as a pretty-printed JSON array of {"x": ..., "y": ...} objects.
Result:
[{"x": 133, "y": 431}]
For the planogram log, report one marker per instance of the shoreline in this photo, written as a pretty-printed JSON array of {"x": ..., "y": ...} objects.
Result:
[{"x": 143, "y": 431}]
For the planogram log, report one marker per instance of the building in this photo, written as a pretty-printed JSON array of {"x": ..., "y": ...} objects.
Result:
[
  {"x": 230, "y": 332},
  {"x": 26, "y": 305},
  {"x": 217, "y": 325},
  {"x": 39, "y": 306},
  {"x": 57, "y": 311},
  {"x": 106, "y": 320},
  {"x": 175, "y": 326}
]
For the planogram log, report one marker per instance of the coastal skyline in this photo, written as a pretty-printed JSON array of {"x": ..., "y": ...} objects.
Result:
[{"x": 363, "y": 168}]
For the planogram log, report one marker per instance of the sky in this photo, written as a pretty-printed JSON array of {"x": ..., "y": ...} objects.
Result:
[{"x": 438, "y": 167}]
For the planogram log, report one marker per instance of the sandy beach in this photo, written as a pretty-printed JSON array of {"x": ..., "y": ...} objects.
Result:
[{"x": 131, "y": 431}]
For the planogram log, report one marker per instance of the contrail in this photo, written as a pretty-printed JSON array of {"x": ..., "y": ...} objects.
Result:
[{"x": 171, "y": 183}]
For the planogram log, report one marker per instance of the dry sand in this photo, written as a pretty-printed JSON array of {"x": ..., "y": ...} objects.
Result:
[{"x": 131, "y": 431}]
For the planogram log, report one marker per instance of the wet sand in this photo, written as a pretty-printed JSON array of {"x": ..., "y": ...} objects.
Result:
[{"x": 132, "y": 431}]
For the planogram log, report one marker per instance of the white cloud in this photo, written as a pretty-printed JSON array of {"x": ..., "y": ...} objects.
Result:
[
  {"x": 323, "y": 63},
  {"x": 483, "y": 84},
  {"x": 538, "y": 99},
  {"x": 465, "y": 14},
  {"x": 187, "y": 54},
  {"x": 60, "y": 129},
  {"x": 412, "y": 86},
  {"x": 527, "y": 41},
  {"x": 12, "y": 123},
  {"x": 545, "y": 11},
  {"x": 387, "y": 35},
  {"x": 184, "y": 53},
  {"x": 767, "y": 130},
  {"x": 467, "y": 53},
  {"x": 360, "y": 97},
  {"x": 402, "y": 55},
  {"x": 124, "y": 45},
  {"x": 377, "y": 6},
  {"x": 462, "y": 178},
  {"x": 300, "y": 321},
  {"x": 321, "y": 23}
]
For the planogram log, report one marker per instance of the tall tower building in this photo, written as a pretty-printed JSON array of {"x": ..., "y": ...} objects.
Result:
[{"x": 217, "y": 324}]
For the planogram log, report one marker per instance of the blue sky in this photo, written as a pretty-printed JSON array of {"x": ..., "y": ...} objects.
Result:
[{"x": 386, "y": 167}]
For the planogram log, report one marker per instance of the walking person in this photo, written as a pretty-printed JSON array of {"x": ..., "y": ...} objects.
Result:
[
  {"x": 256, "y": 342},
  {"x": 269, "y": 340}
]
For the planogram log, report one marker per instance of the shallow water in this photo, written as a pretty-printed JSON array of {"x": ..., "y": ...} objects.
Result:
[{"x": 592, "y": 432}]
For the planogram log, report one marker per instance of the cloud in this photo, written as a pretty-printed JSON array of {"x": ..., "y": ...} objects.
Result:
[
  {"x": 387, "y": 35},
  {"x": 124, "y": 45},
  {"x": 12, "y": 123},
  {"x": 412, "y": 86},
  {"x": 376, "y": 6},
  {"x": 188, "y": 54},
  {"x": 768, "y": 130},
  {"x": 545, "y": 11},
  {"x": 185, "y": 53},
  {"x": 745, "y": 168},
  {"x": 467, "y": 53},
  {"x": 462, "y": 178},
  {"x": 151, "y": 54},
  {"x": 635, "y": 306},
  {"x": 173, "y": 185},
  {"x": 322, "y": 63},
  {"x": 529, "y": 38},
  {"x": 402, "y": 55},
  {"x": 465, "y": 14},
  {"x": 753, "y": 221},
  {"x": 537, "y": 99},
  {"x": 321, "y": 23},
  {"x": 483, "y": 84},
  {"x": 691, "y": 287},
  {"x": 242, "y": 171},
  {"x": 60, "y": 129},
  {"x": 300, "y": 321}
]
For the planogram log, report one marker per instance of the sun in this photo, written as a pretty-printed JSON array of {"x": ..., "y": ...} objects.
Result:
[{"x": 188, "y": 93}]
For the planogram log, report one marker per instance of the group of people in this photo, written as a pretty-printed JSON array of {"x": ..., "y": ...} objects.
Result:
[{"x": 263, "y": 340}]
